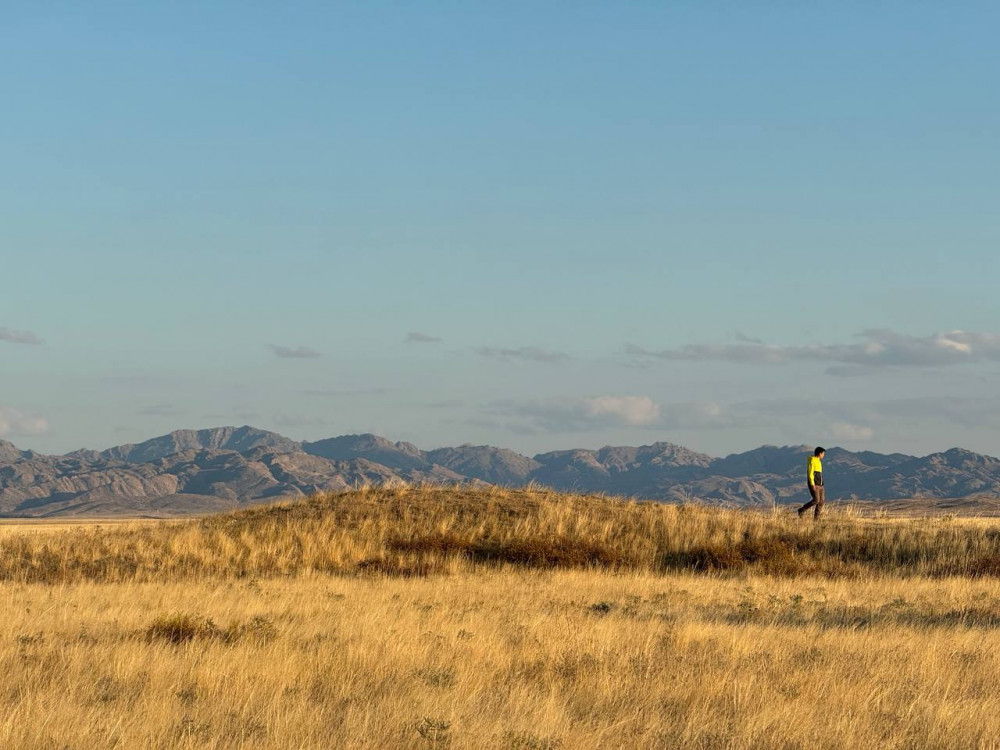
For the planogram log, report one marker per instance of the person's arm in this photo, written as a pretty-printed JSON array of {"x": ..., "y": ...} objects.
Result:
[{"x": 810, "y": 472}]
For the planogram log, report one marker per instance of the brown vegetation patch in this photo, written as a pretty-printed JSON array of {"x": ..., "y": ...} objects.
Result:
[
  {"x": 773, "y": 555},
  {"x": 986, "y": 566},
  {"x": 182, "y": 627}
]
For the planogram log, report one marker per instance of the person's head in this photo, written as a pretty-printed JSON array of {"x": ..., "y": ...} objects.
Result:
[{"x": 819, "y": 452}]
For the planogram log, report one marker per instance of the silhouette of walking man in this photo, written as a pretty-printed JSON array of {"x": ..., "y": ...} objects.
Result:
[{"x": 814, "y": 475}]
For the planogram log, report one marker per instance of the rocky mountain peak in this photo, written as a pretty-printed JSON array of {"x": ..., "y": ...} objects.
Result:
[
  {"x": 399, "y": 455},
  {"x": 237, "y": 439},
  {"x": 9, "y": 451}
]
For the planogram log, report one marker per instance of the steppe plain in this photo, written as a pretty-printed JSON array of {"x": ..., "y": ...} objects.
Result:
[{"x": 423, "y": 617}]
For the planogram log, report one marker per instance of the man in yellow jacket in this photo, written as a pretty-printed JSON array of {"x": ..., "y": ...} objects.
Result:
[{"x": 814, "y": 475}]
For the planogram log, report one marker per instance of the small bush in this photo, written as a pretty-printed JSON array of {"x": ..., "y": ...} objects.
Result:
[
  {"x": 441, "y": 677},
  {"x": 181, "y": 628}
]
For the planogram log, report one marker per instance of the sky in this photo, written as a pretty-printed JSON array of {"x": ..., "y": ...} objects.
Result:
[{"x": 534, "y": 225}]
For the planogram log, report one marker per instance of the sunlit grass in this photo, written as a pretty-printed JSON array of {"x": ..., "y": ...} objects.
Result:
[
  {"x": 428, "y": 618},
  {"x": 434, "y": 530}
]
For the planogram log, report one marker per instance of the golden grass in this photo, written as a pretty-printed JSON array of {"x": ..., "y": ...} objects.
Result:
[
  {"x": 49, "y": 526},
  {"x": 433, "y": 530},
  {"x": 422, "y": 618},
  {"x": 566, "y": 659}
]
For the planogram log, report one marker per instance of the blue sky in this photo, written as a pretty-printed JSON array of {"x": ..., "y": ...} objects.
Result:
[{"x": 721, "y": 224}]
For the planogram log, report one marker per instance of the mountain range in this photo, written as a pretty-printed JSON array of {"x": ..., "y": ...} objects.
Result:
[{"x": 200, "y": 471}]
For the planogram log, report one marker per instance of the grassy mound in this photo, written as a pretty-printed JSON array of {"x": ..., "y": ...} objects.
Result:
[{"x": 416, "y": 531}]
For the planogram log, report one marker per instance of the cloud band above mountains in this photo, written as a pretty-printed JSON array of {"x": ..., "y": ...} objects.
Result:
[
  {"x": 851, "y": 421},
  {"x": 875, "y": 348}
]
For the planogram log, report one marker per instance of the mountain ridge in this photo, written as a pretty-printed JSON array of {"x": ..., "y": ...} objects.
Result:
[{"x": 196, "y": 471}]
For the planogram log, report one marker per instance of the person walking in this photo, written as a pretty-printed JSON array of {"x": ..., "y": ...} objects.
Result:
[{"x": 814, "y": 475}]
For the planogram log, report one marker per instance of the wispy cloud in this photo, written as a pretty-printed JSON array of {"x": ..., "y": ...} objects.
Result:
[
  {"x": 347, "y": 393},
  {"x": 416, "y": 337},
  {"x": 524, "y": 353},
  {"x": 578, "y": 414},
  {"x": 18, "y": 337},
  {"x": 298, "y": 352},
  {"x": 743, "y": 338},
  {"x": 20, "y": 422},
  {"x": 161, "y": 410},
  {"x": 874, "y": 349}
]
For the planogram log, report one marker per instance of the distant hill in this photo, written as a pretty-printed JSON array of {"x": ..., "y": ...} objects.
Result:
[{"x": 198, "y": 471}]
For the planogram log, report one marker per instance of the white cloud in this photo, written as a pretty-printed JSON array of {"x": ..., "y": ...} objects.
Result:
[
  {"x": 600, "y": 412},
  {"x": 849, "y": 431},
  {"x": 18, "y": 422},
  {"x": 629, "y": 410}
]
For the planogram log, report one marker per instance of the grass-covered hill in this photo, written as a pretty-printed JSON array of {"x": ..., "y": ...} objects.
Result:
[{"x": 429, "y": 530}]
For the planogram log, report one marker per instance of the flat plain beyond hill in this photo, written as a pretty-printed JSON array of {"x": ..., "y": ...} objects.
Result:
[{"x": 431, "y": 618}]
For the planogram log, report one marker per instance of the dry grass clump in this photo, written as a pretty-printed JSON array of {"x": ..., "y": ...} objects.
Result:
[
  {"x": 417, "y": 531},
  {"x": 181, "y": 627}
]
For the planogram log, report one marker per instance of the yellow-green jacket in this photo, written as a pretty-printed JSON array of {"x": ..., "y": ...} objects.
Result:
[{"x": 815, "y": 472}]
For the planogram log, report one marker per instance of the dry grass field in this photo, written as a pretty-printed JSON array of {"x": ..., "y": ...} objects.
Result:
[
  {"x": 430, "y": 618},
  {"x": 49, "y": 526}
]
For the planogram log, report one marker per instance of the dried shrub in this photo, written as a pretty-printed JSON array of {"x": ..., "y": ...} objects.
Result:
[
  {"x": 987, "y": 566},
  {"x": 774, "y": 555},
  {"x": 551, "y": 552},
  {"x": 182, "y": 627}
]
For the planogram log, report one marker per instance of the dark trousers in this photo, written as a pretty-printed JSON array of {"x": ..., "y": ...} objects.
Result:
[{"x": 818, "y": 498}]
